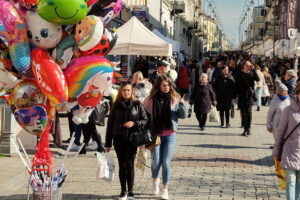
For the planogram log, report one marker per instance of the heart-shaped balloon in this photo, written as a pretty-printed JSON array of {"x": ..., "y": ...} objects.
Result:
[{"x": 33, "y": 119}]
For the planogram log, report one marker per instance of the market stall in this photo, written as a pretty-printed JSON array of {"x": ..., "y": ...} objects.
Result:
[
  {"x": 136, "y": 39},
  {"x": 175, "y": 44}
]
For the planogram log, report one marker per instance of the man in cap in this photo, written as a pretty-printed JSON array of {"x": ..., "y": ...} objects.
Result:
[{"x": 162, "y": 69}]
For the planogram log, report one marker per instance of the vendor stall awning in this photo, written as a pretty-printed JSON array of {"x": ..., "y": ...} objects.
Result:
[
  {"x": 175, "y": 44},
  {"x": 136, "y": 39}
]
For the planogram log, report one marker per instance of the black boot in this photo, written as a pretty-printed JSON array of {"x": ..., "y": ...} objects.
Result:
[
  {"x": 258, "y": 108},
  {"x": 248, "y": 132},
  {"x": 245, "y": 133}
]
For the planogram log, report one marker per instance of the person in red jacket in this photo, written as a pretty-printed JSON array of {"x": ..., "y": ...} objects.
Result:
[{"x": 183, "y": 79}]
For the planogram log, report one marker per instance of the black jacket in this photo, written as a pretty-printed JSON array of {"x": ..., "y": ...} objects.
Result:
[
  {"x": 245, "y": 87},
  {"x": 225, "y": 91},
  {"x": 202, "y": 96},
  {"x": 122, "y": 113}
]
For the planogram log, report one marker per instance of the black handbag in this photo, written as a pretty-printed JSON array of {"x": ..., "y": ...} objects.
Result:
[
  {"x": 140, "y": 137},
  {"x": 281, "y": 145},
  {"x": 99, "y": 113}
]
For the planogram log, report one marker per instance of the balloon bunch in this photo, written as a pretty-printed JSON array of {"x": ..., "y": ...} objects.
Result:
[{"x": 52, "y": 57}]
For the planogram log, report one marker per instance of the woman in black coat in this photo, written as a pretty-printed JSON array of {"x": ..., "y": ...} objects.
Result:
[
  {"x": 225, "y": 92},
  {"x": 126, "y": 116},
  {"x": 203, "y": 97}
]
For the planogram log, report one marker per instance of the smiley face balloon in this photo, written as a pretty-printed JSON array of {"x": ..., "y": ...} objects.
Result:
[{"x": 63, "y": 12}]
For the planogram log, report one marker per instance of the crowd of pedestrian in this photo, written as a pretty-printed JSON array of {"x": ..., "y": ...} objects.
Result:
[{"x": 225, "y": 83}]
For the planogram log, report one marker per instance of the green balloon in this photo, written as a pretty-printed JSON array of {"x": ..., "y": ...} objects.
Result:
[{"x": 63, "y": 12}]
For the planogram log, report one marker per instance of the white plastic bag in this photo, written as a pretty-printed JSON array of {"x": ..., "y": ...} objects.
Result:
[
  {"x": 213, "y": 115},
  {"x": 106, "y": 166},
  {"x": 265, "y": 91}
]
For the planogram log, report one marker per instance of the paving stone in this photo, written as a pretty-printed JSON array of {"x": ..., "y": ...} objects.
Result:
[{"x": 215, "y": 164}]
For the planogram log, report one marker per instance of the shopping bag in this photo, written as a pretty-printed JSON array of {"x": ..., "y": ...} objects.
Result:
[
  {"x": 213, "y": 115},
  {"x": 106, "y": 166},
  {"x": 280, "y": 172},
  {"x": 265, "y": 91},
  {"x": 141, "y": 160}
]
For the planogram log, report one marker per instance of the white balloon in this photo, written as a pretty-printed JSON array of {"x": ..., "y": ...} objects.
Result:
[{"x": 42, "y": 33}]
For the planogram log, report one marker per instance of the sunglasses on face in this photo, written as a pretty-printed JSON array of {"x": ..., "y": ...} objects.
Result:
[{"x": 126, "y": 83}]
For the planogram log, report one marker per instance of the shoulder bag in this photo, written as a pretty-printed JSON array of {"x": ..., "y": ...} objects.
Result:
[
  {"x": 281, "y": 145},
  {"x": 140, "y": 137}
]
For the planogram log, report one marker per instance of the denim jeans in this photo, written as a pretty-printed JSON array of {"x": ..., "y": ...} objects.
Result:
[
  {"x": 161, "y": 156},
  {"x": 74, "y": 128},
  {"x": 258, "y": 92},
  {"x": 292, "y": 184}
]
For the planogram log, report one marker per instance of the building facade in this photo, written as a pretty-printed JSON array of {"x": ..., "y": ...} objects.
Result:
[{"x": 210, "y": 33}]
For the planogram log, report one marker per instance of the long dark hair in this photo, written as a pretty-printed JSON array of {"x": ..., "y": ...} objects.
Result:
[{"x": 157, "y": 84}]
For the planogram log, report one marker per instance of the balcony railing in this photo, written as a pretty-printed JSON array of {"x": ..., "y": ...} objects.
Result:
[{"x": 178, "y": 7}]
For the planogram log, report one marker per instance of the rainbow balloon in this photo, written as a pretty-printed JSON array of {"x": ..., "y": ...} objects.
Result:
[{"x": 89, "y": 72}]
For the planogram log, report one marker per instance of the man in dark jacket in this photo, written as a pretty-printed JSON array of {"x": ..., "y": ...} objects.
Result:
[
  {"x": 162, "y": 69},
  {"x": 246, "y": 95},
  {"x": 217, "y": 72},
  {"x": 225, "y": 92}
]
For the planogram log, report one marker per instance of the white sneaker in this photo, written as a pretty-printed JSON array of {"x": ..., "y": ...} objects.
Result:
[
  {"x": 155, "y": 187},
  {"x": 93, "y": 145},
  {"x": 164, "y": 194},
  {"x": 74, "y": 147}
]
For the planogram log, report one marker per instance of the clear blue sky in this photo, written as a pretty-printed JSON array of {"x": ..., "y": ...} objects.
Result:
[{"x": 230, "y": 11}]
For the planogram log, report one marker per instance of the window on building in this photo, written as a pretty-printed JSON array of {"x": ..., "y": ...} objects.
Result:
[{"x": 165, "y": 28}]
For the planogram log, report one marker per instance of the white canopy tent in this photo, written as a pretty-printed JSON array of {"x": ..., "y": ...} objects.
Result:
[
  {"x": 175, "y": 44},
  {"x": 136, "y": 39}
]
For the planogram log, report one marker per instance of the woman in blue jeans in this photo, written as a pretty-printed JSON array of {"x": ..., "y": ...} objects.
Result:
[
  {"x": 165, "y": 106},
  {"x": 290, "y": 159}
]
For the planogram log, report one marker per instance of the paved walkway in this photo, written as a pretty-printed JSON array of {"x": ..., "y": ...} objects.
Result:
[{"x": 215, "y": 164}]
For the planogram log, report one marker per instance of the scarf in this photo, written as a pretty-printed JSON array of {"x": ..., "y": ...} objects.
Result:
[
  {"x": 282, "y": 98},
  {"x": 126, "y": 108},
  {"x": 162, "y": 112}
]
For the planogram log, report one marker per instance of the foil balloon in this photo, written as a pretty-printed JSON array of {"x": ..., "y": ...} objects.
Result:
[
  {"x": 105, "y": 45},
  {"x": 7, "y": 79},
  {"x": 26, "y": 94},
  {"x": 29, "y": 4},
  {"x": 61, "y": 54},
  {"x": 14, "y": 34},
  {"x": 104, "y": 9},
  {"x": 41, "y": 32},
  {"x": 49, "y": 76},
  {"x": 89, "y": 78},
  {"x": 117, "y": 7},
  {"x": 88, "y": 32},
  {"x": 63, "y": 12},
  {"x": 32, "y": 119}
]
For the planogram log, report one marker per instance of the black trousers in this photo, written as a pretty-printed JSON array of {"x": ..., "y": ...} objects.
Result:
[
  {"x": 89, "y": 130},
  {"x": 246, "y": 116},
  {"x": 265, "y": 100},
  {"x": 71, "y": 123},
  {"x": 226, "y": 113},
  {"x": 126, "y": 153},
  {"x": 202, "y": 117}
]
